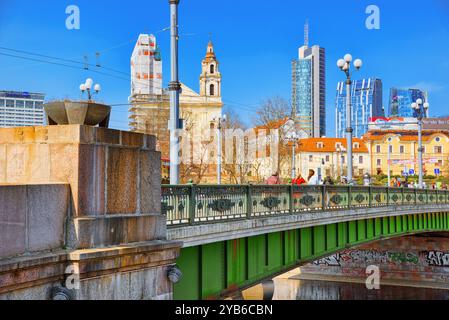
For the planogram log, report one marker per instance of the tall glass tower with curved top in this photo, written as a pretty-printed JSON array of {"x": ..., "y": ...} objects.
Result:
[{"x": 309, "y": 90}]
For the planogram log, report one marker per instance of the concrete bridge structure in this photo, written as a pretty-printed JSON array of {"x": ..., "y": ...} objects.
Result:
[
  {"x": 84, "y": 206},
  {"x": 237, "y": 236}
]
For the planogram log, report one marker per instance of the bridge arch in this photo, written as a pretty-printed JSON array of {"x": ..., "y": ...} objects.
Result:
[{"x": 221, "y": 267}]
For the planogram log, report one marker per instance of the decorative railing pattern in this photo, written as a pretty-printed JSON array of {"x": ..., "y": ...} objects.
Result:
[{"x": 196, "y": 204}]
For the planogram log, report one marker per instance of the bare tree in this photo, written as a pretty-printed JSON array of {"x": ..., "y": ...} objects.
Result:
[
  {"x": 272, "y": 114},
  {"x": 272, "y": 110}
]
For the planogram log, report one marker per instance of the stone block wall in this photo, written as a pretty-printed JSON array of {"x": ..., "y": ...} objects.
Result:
[
  {"x": 32, "y": 218},
  {"x": 114, "y": 177},
  {"x": 84, "y": 201},
  {"x": 420, "y": 259}
]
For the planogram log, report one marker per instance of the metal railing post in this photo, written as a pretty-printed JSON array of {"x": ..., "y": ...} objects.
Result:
[
  {"x": 370, "y": 196},
  {"x": 291, "y": 189},
  {"x": 403, "y": 196},
  {"x": 388, "y": 196},
  {"x": 323, "y": 201},
  {"x": 249, "y": 202},
  {"x": 349, "y": 197},
  {"x": 192, "y": 204}
]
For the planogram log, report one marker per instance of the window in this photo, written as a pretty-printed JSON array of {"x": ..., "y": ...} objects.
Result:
[
  {"x": 440, "y": 163},
  {"x": 391, "y": 149},
  {"x": 343, "y": 159},
  {"x": 438, "y": 139},
  {"x": 10, "y": 103},
  {"x": 438, "y": 150},
  {"x": 356, "y": 145},
  {"x": 319, "y": 145},
  {"x": 378, "y": 149},
  {"x": 379, "y": 162},
  {"x": 424, "y": 149},
  {"x": 360, "y": 159},
  {"x": 401, "y": 149},
  {"x": 212, "y": 90},
  {"x": 328, "y": 158},
  {"x": 212, "y": 69},
  {"x": 361, "y": 173},
  {"x": 310, "y": 158}
]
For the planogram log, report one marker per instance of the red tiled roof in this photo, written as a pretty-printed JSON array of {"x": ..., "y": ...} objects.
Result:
[{"x": 329, "y": 145}]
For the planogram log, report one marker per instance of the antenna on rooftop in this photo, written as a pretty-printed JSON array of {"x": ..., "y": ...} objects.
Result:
[{"x": 306, "y": 34}]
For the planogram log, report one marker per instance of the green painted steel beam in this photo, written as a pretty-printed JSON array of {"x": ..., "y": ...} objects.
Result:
[{"x": 213, "y": 269}]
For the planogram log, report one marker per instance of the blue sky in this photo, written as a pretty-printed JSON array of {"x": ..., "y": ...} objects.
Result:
[{"x": 254, "y": 41}]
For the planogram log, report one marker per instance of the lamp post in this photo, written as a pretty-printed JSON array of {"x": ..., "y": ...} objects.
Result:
[
  {"x": 345, "y": 66},
  {"x": 221, "y": 120},
  {"x": 293, "y": 137},
  {"x": 421, "y": 110},
  {"x": 390, "y": 139},
  {"x": 389, "y": 161},
  {"x": 175, "y": 88},
  {"x": 87, "y": 87},
  {"x": 341, "y": 152}
]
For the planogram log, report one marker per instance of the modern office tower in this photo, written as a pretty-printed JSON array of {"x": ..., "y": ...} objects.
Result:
[
  {"x": 21, "y": 109},
  {"x": 401, "y": 100},
  {"x": 366, "y": 98},
  {"x": 309, "y": 88}
]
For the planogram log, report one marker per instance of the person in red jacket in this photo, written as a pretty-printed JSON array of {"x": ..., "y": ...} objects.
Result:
[{"x": 299, "y": 181}]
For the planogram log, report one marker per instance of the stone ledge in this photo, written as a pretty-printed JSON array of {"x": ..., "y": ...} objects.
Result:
[
  {"x": 230, "y": 230},
  {"x": 93, "y": 232},
  {"x": 76, "y": 134},
  {"x": 33, "y": 271},
  {"x": 98, "y": 262}
]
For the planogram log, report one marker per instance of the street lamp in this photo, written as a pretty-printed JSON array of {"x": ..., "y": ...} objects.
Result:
[
  {"x": 221, "y": 120},
  {"x": 293, "y": 137},
  {"x": 87, "y": 87},
  {"x": 341, "y": 151},
  {"x": 421, "y": 110},
  {"x": 390, "y": 139},
  {"x": 345, "y": 66}
]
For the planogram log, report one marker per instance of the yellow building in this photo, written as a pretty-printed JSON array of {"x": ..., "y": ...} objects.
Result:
[{"x": 403, "y": 155}]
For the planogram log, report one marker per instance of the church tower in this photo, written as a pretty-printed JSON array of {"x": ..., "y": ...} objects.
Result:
[{"x": 210, "y": 79}]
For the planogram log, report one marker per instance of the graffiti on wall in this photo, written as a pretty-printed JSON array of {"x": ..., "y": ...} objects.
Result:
[
  {"x": 437, "y": 258},
  {"x": 367, "y": 257}
]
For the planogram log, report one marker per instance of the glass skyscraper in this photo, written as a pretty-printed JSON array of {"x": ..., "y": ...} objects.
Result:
[
  {"x": 309, "y": 90},
  {"x": 21, "y": 109},
  {"x": 366, "y": 98},
  {"x": 401, "y": 100}
]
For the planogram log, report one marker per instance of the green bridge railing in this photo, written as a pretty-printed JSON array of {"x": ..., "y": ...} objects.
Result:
[{"x": 197, "y": 204}]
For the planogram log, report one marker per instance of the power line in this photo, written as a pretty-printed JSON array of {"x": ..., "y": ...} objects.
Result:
[
  {"x": 61, "y": 59},
  {"x": 61, "y": 64}
]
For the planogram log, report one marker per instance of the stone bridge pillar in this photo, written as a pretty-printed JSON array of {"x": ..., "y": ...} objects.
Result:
[{"x": 108, "y": 233}]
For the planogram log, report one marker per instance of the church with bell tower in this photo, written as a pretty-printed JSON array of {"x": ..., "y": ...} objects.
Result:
[
  {"x": 150, "y": 111},
  {"x": 210, "y": 79}
]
